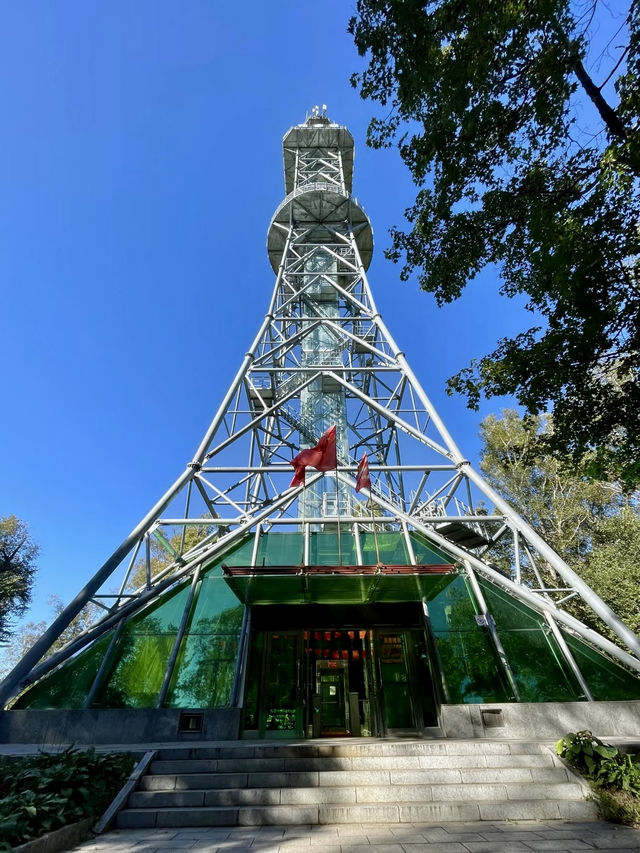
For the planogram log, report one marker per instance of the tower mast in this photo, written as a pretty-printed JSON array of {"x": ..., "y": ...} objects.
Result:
[{"x": 323, "y": 356}]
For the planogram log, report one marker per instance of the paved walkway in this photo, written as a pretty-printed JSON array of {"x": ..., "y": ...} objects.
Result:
[{"x": 482, "y": 837}]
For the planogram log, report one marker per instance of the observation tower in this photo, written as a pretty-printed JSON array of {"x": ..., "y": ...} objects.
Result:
[{"x": 245, "y": 606}]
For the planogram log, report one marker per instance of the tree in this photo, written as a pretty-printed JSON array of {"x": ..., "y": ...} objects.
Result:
[
  {"x": 163, "y": 551},
  {"x": 27, "y": 634},
  {"x": 612, "y": 568},
  {"x": 594, "y": 526},
  {"x": 521, "y": 161},
  {"x": 18, "y": 553}
]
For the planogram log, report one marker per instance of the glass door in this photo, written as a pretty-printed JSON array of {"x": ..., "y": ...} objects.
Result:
[
  {"x": 281, "y": 704},
  {"x": 397, "y": 699},
  {"x": 331, "y": 702}
]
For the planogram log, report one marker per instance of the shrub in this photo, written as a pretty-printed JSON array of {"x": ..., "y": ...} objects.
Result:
[
  {"x": 615, "y": 775},
  {"x": 47, "y": 791}
]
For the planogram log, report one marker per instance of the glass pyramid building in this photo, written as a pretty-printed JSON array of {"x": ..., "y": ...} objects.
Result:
[{"x": 244, "y": 606}]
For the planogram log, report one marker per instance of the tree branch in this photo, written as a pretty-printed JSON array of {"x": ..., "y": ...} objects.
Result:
[{"x": 608, "y": 115}]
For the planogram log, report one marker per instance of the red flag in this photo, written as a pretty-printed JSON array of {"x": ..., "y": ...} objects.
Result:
[
  {"x": 363, "y": 480},
  {"x": 322, "y": 457}
]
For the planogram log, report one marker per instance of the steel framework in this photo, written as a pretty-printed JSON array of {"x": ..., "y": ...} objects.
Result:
[{"x": 323, "y": 356}]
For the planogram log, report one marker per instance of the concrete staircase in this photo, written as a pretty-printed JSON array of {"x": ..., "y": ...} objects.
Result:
[{"x": 360, "y": 781}]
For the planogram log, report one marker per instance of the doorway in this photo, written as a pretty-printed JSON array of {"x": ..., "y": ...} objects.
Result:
[{"x": 346, "y": 678}]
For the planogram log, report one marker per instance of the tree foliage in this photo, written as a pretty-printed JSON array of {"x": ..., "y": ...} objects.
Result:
[
  {"x": 163, "y": 551},
  {"x": 594, "y": 526},
  {"x": 521, "y": 161},
  {"x": 18, "y": 553},
  {"x": 26, "y": 635}
]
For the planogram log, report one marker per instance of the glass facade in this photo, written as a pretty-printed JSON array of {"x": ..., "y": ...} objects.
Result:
[
  {"x": 389, "y": 674},
  {"x": 468, "y": 660}
]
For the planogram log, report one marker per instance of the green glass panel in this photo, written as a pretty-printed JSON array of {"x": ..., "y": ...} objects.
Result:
[
  {"x": 280, "y": 549},
  {"x": 398, "y": 588},
  {"x": 384, "y": 547},
  {"x": 281, "y": 707},
  {"x": 204, "y": 672},
  {"x": 471, "y": 669},
  {"x": 279, "y": 589},
  {"x": 163, "y": 617},
  {"x": 607, "y": 680},
  {"x": 452, "y": 609},
  {"x": 67, "y": 687},
  {"x": 427, "y": 553},
  {"x": 538, "y": 665},
  {"x": 135, "y": 680},
  {"x": 395, "y": 681},
  {"x": 340, "y": 589},
  {"x": 217, "y": 610},
  {"x": 252, "y": 688},
  {"x": 238, "y": 554},
  {"x": 425, "y": 667},
  {"x": 333, "y": 692},
  {"x": 325, "y": 549}
]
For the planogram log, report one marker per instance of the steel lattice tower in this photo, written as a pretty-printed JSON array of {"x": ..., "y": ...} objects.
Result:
[{"x": 324, "y": 356}]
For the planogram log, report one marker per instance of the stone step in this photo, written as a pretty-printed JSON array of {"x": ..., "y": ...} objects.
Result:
[
  {"x": 481, "y": 775},
  {"x": 363, "y": 782},
  {"x": 342, "y": 750},
  {"x": 172, "y": 767},
  {"x": 432, "y": 812},
  {"x": 352, "y": 794}
]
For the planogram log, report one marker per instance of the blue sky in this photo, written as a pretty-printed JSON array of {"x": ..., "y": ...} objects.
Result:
[{"x": 141, "y": 163}]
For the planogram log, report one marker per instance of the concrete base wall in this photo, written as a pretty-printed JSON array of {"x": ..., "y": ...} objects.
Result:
[
  {"x": 537, "y": 720},
  {"x": 544, "y": 720},
  {"x": 113, "y": 726}
]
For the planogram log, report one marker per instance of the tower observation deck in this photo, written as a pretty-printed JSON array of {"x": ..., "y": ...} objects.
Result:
[{"x": 275, "y": 608}]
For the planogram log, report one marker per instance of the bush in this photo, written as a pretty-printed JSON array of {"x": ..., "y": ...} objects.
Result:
[
  {"x": 615, "y": 775},
  {"x": 47, "y": 791}
]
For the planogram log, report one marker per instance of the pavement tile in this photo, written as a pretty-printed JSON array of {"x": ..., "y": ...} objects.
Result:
[
  {"x": 464, "y": 837},
  {"x": 291, "y": 847},
  {"x": 211, "y": 831},
  {"x": 368, "y": 848},
  {"x": 565, "y": 832},
  {"x": 616, "y": 841},
  {"x": 332, "y": 847},
  {"x": 383, "y": 838},
  {"x": 551, "y": 844},
  {"x": 495, "y": 836},
  {"x": 512, "y": 835},
  {"x": 501, "y": 846},
  {"x": 203, "y": 847},
  {"x": 236, "y": 846},
  {"x": 430, "y": 834},
  {"x": 353, "y": 840}
]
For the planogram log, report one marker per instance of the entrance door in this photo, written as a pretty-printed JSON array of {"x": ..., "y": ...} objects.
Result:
[
  {"x": 281, "y": 709},
  {"x": 332, "y": 677},
  {"x": 331, "y": 700},
  {"x": 406, "y": 686}
]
